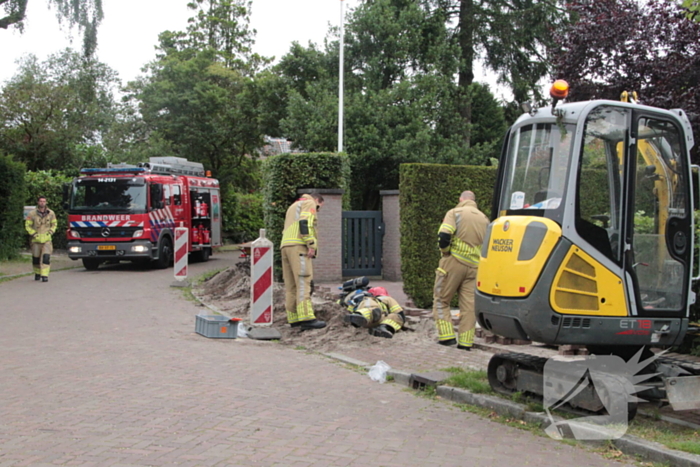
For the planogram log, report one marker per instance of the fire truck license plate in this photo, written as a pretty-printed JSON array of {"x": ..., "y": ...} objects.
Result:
[{"x": 106, "y": 247}]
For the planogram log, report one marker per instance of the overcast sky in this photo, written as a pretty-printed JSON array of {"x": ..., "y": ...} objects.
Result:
[
  {"x": 130, "y": 29},
  {"x": 129, "y": 32}
]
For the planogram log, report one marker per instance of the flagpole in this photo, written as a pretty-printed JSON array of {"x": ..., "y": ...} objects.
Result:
[{"x": 340, "y": 85}]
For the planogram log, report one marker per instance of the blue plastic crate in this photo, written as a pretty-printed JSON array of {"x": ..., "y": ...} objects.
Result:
[{"x": 217, "y": 327}]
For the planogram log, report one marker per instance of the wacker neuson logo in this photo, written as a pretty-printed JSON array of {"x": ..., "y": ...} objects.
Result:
[{"x": 599, "y": 383}]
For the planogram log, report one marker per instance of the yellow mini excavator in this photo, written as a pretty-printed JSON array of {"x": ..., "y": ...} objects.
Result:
[{"x": 592, "y": 241}]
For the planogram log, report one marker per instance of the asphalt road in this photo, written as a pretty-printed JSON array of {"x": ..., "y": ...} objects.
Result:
[{"x": 104, "y": 369}]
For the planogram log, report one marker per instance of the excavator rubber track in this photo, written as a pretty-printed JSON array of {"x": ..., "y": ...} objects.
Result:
[
  {"x": 504, "y": 369},
  {"x": 511, "y": 373}
]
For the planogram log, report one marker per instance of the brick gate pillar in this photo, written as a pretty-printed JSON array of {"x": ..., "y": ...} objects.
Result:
[
  {"x": 391, "y": 245},
  {"x": 328, "y": 265}
]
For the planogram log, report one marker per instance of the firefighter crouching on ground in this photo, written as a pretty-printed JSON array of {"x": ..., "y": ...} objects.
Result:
[
  {"x": 375, "y": 310},
  {"x": 299, "y": 246},
  {"x": 459, "y": 238},
  {"x": 41, "y": 224}
]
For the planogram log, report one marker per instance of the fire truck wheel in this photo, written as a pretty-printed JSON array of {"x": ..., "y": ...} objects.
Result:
[
  {"x": 203, "y": 255},
  {"x": 165, "y": 253},
  {"x": 91, "y": 264}
]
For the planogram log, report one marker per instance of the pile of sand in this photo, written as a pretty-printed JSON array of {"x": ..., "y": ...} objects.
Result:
[{"x": 229, "y": 291}]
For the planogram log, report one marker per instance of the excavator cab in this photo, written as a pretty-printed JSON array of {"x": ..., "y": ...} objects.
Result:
[{"x": 592, "y": 237}]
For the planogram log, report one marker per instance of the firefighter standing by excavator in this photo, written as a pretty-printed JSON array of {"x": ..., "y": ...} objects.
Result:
[
  {"x": 299, "y": 246},
  {"x": 375, "y": 310},
  {"x": 459, "y": 238},
  {"x": 40, "y": 225}
]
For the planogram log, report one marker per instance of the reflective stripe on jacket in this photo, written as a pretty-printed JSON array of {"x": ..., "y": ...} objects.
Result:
[
  {"x": 41, "y": 226},
  {"x": 302, "y": 209},
  {"x": 385, "y": 303},
  {"x": 467, "y": 226}
]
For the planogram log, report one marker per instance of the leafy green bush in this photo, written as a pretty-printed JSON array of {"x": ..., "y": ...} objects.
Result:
[
  {"x": 12, "y": 196},
  {"x": 50, "y": 185}
]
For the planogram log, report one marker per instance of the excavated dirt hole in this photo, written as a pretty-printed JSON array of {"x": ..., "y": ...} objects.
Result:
[{"x": 229, "y": 291}]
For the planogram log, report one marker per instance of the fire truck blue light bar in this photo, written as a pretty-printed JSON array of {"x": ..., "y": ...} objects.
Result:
[{"x": 113, "y": 170}]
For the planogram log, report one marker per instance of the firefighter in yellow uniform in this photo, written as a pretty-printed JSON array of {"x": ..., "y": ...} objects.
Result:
[
  {"x": 299, "y": 247},
  {"x": 375, "y": 310},
  {"x": 41, "y": 224},
  {"x": 459, "y": 239}
]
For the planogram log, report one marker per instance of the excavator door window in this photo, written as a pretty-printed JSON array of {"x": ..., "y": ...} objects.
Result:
[{"x": 660, "y": 225}]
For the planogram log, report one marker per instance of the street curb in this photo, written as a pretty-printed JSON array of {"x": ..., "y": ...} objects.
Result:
[
  {"x": 628, "y": 444},
  {"x": 344, "y": 359}
]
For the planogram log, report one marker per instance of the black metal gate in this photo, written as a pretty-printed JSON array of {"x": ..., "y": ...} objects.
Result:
[{"x": 362, "y": 243}]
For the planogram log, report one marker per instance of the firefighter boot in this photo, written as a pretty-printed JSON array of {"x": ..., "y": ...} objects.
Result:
[
  {"x": 37, "y": 277},
  {"x": 44, "y": 279},
  {"x": 312, "y": 324},
  {"x": 382, "y": 331},
  {"x": 452, "y": 341},
  {"x": 356, "y": 319}
]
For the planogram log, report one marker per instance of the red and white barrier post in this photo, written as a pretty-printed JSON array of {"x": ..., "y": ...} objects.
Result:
[
  {"x": 261, "y": 275},
  {"x": 181, "y": 240}
]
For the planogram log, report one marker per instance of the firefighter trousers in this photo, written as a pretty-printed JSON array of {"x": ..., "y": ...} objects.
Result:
[
  {"x": 453, "y": 276},
  {"x": 297, "y": 273},
  {"x": 393, "y": 320},
  {"x": 41, "y": 258}
]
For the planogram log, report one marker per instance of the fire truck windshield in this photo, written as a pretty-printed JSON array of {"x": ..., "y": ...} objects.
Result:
[{"x": 102, "y": 195}]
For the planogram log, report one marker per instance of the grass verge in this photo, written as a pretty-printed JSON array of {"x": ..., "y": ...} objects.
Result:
[
  {"x": 670, "y": 435},
  {"x": 475, "y": 381},
  {"x": 673, "y": 436},
  {"x": 187, "y": 291}
]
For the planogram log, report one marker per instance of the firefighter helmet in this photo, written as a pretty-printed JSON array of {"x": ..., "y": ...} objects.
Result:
[{"x": 377, "y": 291}]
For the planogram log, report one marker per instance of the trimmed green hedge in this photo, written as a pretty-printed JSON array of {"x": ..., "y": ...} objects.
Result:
[
  {"x": 426, "y": 193},
  {"x": 50, "y": 185},
  {"x": 285, "y": 174},
  {"x": 13, "y": 192}
]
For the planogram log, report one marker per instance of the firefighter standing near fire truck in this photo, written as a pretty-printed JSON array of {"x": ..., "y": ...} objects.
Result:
[
  {"x": 299, "y": 247},
  {"x": 41, "y": 224},
  {"x": 459, "y": 238}
]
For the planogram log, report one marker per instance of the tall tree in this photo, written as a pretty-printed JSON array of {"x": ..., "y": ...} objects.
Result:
[
  {"x": 693, "y": 7},
  {"x": 660, "y": 58},
  {"x": 50, "y": 110},
  {"x": 511, "y": 36},
  {"x": 206, "y": 111},
  {"x": 490, "y": 126},
  {"x": 400, "y": 103},
  {"x": 85, "y": 14},
  {"x": 222, "y": 27},
  {"x": 200, "y": 98}
]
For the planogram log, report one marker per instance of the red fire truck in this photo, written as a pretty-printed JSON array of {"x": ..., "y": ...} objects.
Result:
[{"x": 129, "y": 212}]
